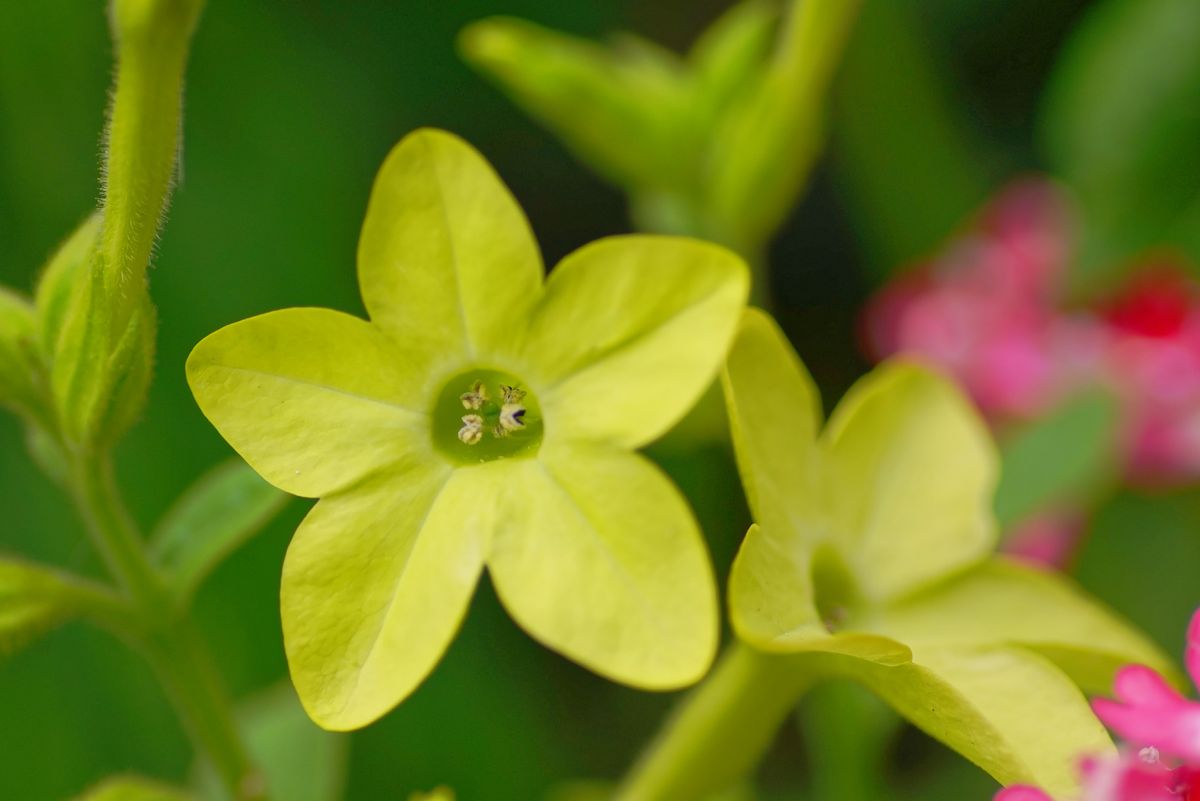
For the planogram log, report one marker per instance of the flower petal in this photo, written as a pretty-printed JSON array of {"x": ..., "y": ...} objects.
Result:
[
  {"x": 1021, "y": 792},
  {"x": 630, "y": 332},
  {"x": 1009, "y": 711},
  {"x": 774, "y": 414},
  {"x": 1002, "y": 601},
  {"x": 911, "y": 471},
  {"x": 597, "y": 555},
  {"x": 446, "y": 260},
  {"x": 313, "y": 399},
  {"x": 1191, "y": 655},
  {"x": 1148, "y": 712},
  {"x": 376, "y": 583}
]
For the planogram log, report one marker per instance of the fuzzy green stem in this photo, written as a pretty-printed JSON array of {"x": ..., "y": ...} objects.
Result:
[
  {"x": 721, "y": 731},
  {"x": 167, "y": 638},
  {"x": 152, "y": 38}
]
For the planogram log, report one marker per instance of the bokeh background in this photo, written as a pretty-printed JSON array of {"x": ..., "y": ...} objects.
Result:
[{"x": 291, "y": 106}]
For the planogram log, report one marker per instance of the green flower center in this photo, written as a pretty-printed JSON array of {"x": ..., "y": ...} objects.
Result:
[
  {"x": 483, "y": 415},
  {"x": 834, "y": 588}
]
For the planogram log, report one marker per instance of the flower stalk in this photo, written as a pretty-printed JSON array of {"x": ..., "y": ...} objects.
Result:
[
  {"x": 143, "y": 139},
  {"x": 165, "y": 636},
  {"x": 722, "y": 730}
]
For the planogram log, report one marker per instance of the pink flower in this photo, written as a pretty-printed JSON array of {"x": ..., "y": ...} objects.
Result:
[
  {"x": 1149, "y": 712},
  {"x": 1151, "y": 715}
]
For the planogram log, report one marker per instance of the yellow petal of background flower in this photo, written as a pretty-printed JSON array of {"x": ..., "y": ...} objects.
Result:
[
  {"x": 313, "y": 399},
  {"x": 774, "y": 414},
  {"x": 1009, "y": 711},
  {"x": 375, "y": 584},
  {"x": 630, "y": 332},
  {"x": 446, "y": 260},
  {"x": 910, "y": 471},
  {"x": 1005, "y": 602},
  {"x": 597, "y": 556}
]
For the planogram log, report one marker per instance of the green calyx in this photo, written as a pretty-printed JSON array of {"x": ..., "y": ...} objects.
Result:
[{"x": 482, "y": 415}]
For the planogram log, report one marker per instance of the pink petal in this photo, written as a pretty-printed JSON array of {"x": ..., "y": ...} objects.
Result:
[
  {"x": 1138, "y": 685},
  {"x": 1192, "y": 653},
  {"x": 1021, "y": 793}
]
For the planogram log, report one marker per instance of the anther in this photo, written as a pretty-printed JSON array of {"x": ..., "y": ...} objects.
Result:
[
  {"x": 476, "y": 397},
  {"x": 472, "y": 430}
]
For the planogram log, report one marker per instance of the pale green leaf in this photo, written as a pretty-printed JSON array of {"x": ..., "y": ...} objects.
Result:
[
  {"x": 376, "y": 582},
  {"x": 437, "y": 794},
  {"x": 619, "y": 115},
  {"x": 761, "y": 155},
  {"x": 731, "y": 52},
  {"x": 35, "y": 598},
  {"x": 630, "y": 332},
  {"x": 216, "y": 515},
  {"x": 1003, "y": 601},
  {"x": 298, "y": 760},
  {"x": 313, "y": 399},
  {"x": 447, "y": 263},
  {"x": 20, "y": 369},
  {"x": 597, "y": 556},
  {"x": 774, "y": 415},
  {"x": 59, "y": 278},
  {"x": 132, "y": 788},
  {"x": 1010, "y": 711},
  {"x": 911, "y": 470},
  {"x": 1059, "y": 458}
]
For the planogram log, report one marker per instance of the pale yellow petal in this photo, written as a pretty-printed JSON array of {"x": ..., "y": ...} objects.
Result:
[
  {"x": 313, "y": 399},
  {"x": 597, "y": 556}
]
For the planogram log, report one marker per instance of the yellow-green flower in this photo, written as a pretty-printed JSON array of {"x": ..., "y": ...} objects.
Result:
[
  {"x": 872, "y": 559},
  {"x": 481, "y": 417}
]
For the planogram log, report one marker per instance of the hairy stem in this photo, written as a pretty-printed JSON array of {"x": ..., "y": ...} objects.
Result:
[
  {"x": 142, "y": 142},
  {"x": 167, "y": 637},
  {"x": 721, "y": 731}
]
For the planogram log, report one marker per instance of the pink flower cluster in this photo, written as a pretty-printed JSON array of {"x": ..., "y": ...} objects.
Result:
[
  {"x": 1148, "y": 714},
  {"x": 991, "y": 310}
]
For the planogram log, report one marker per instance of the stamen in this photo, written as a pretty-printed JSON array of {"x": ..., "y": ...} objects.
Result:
[
  {"x": 511, "y": 394},
  {"x": 476, "y": 397},
  {"x": 512, "y": 417},
  {"x": 472, "y": 430},
  {"x": 1149, "y": 755}
]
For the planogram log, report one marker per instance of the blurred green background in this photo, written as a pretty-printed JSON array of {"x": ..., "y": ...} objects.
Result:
[{"x": 291, "y": 106}]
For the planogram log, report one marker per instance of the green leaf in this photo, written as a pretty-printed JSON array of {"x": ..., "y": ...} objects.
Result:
[
  {"x": 1003, "y": 601},
  {"x": 132, "y": 788},
  {"x": 1010, "y": 711},
  {"x": 438, "y": 794},
  {"x": 1120, "y": 123},
  {"x": 598, "y": 556},
  {"x": 618, "y": 115},
  {"x": 212, "y": 519},
  {"x": 20, "y": 367},
  {"x": 59, "y": 280},
  {"x": 730, "y": 54},
  {"x": 762, "y": 151},
  {"x": 299, "y": 761},
  {"x": 901, "y": 132},
  {"x": 1063, "y": 457},
  {"x": 34, "y": 598}
]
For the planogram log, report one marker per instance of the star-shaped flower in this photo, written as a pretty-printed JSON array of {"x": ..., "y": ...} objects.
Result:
[
  {"x": 871, "y": 559},
  {"x": 480, "y": 417}
]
